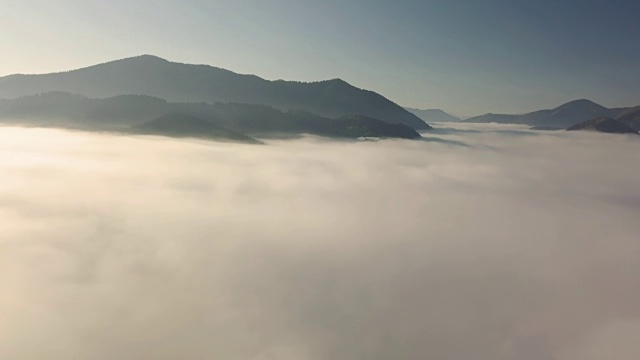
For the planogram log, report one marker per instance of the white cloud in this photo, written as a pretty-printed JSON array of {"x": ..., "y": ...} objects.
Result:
[{"x": 492, "y": 244}]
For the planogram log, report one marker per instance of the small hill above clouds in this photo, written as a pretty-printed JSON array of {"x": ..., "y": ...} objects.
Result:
[
  {"x": 574, "y": 106},
  {"x": 571, "y": 112},
  {"x": 177, "y": 82},
  {"x": 604, "y": 124},
  {"x": 433, "y": 115},
  {"x": 562, "y": 116}
]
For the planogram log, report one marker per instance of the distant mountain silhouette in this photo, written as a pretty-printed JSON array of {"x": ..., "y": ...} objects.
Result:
[
  {"x": 546, "y": 128},
  {"x": 604, "y": 124},
  {"x": 495, "y": 118},
  {"x": 176, "y": 82},
  {"x": 561, "y": 117},
  {"x": 433, "y": 115},
  {"x": 156, "y": 116}
]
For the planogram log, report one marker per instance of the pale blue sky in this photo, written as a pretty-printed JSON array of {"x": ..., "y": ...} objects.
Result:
[{"x": 465, "y": 56}]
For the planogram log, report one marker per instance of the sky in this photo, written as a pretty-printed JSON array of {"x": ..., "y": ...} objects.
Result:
[
  {"x": 312, "y": 249},
  {"x": 467, "y": 57}
]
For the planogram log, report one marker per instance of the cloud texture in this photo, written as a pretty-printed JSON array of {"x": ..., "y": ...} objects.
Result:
[{"x": 484, "y": 243}]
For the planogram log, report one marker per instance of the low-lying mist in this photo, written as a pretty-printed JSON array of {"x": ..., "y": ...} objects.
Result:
[{"x": 482, "y": 242}]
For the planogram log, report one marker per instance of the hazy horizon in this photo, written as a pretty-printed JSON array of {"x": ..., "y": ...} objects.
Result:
[{"x": 467, "y": 58}]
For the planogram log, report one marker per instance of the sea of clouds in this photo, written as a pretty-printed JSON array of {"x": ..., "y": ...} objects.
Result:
[{"x": 482, "y": 242}]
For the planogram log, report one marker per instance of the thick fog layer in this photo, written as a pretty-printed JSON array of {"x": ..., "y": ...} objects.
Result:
[{"x": 481, "y": 243}]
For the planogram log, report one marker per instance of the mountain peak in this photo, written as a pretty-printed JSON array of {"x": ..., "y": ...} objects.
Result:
[
  {"x": 147, "y": 57},
  {"x": 139, "y": 59},
  {"x": 136, "y": 58},
  {"x": 335, "y": 82},
  {"x": 580, "y": 103}
]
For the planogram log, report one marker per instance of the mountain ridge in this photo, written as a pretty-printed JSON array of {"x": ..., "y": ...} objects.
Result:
[
  {"x": 179, "y": 82},
  {"x": 433, "y": 115},
  {"x": 562, "y": 116}
]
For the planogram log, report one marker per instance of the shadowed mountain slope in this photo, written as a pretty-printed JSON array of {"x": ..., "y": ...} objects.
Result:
[
  {"x": 153, "y": 115},
  {"x": 604, "y": 124},
  {"x": 182, "y": 125},
  {"x": 631, "y": 117}
]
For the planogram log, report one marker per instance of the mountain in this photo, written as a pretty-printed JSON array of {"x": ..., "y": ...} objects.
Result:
[
  {"x": 561, "y": 117},
  {"x": 259, "y": 120},
  {"x": 546, "y": 128},
  {"x": 360, "y": 126},
  {"x": 494, "y": 118},
  {"x": 631, "y": 117},
  {"x": 433, "y": 115},
  {"x": 61, "y": 109},
  {"x": 156, "y": 116},
  {"x": 176, "y": 82},
  {"x": 604, "y": 124},
  {"x": 182, "y": 125}
]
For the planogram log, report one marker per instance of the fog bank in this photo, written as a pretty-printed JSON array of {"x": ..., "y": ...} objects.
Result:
[{"x": 482, "y": 242}]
